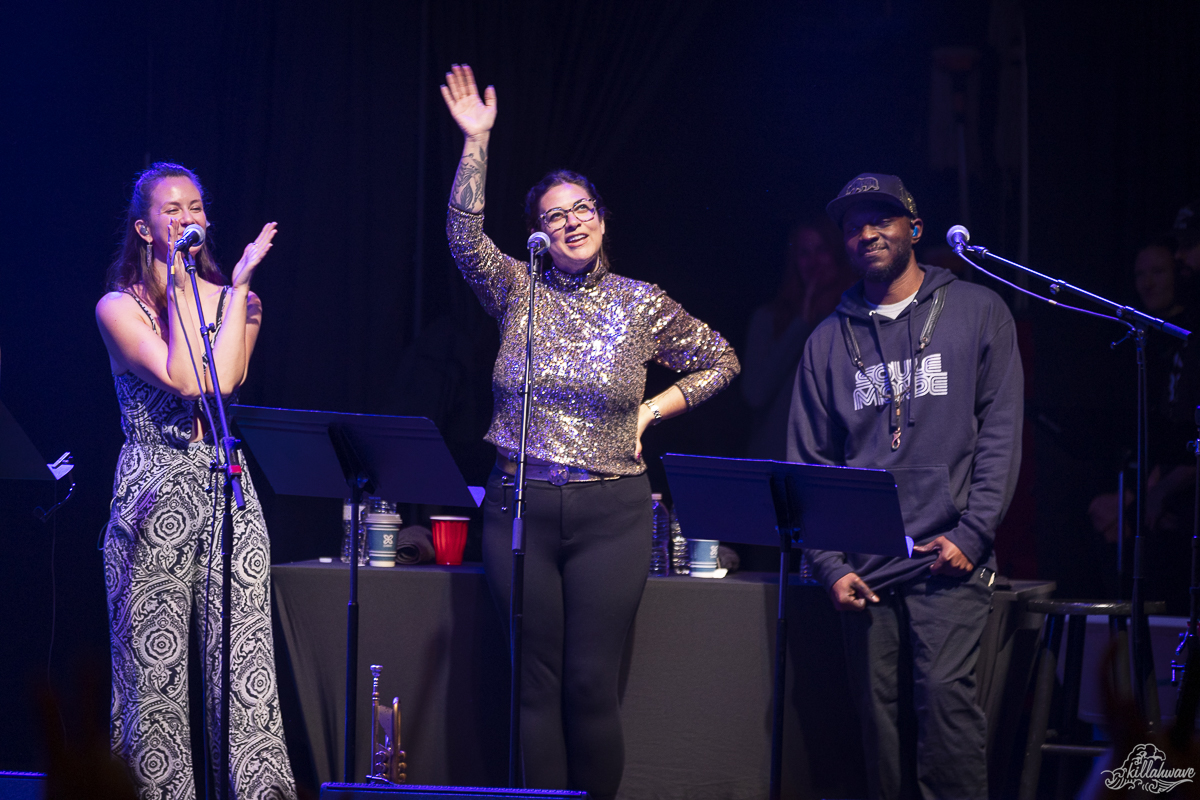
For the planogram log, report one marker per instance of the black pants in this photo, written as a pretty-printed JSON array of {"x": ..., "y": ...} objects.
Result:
[
  {"x": 587, "y": 554},
  {"x": 911, "y": 662}
]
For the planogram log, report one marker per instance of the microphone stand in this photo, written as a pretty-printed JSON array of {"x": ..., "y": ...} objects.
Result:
[
  {"x": 516, "y": 599},
  {"x": 231, "y": 493},
  {"x": 1138, "y": 323},
  {"x": 1188, "y": 645}
]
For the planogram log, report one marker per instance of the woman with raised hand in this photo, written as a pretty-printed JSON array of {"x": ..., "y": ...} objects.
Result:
[
  {"x": 161, "y": 563},
  {"x": 587, "y": 513}
]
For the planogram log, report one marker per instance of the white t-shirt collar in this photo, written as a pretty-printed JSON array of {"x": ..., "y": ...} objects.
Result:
[{"x": 890, "y": 310}]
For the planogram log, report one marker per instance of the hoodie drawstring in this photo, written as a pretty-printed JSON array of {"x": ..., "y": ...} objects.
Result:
[
  {"x": 913, "y": 369},
  {"x": 893, "y": 392}
]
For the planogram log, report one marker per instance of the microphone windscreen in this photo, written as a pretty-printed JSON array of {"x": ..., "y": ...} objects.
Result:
[
  {"x": 958, "y": 235},
  {"x": 192, "y": 236},
  {"x": 195, "y": 232}
]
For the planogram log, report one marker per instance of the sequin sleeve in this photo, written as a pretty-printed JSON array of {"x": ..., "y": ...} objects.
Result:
[
  {"x": 685, "y": 344},
  {"x": 492, "y": 275}
]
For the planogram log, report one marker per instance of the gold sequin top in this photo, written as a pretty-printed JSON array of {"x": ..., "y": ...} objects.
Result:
[{"x": 593, "y": 336}]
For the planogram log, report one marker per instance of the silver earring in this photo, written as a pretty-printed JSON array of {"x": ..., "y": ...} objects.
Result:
[{"x": 149, "y": 259}]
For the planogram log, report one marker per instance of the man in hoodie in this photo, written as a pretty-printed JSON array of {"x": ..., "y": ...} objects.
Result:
[{"x": 917, "y": 373}]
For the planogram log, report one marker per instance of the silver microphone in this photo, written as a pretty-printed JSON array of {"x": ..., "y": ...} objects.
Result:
[
  {"x": 193, "y": 236},
  {"x": 538, "y": 243},
  {"x": 957, "y": 237}
]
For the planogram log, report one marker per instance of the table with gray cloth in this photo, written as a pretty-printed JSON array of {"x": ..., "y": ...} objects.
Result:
[{"x": 695, "y": 689}]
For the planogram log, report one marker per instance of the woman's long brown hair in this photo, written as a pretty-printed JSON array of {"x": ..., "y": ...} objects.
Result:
[{"x": 128, "y": 267}]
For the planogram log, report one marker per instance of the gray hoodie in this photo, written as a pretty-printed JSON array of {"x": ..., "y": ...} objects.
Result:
[{"x": 958, "y": 435}]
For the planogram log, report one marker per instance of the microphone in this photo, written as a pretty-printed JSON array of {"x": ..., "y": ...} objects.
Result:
[
  {"x": 957, "y": 237},
  {"x": 193, "y": 236},
  {"x": 538, "y": 243}
]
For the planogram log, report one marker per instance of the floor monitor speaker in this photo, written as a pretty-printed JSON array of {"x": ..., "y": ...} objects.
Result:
[{"x": 22, "y": 786}]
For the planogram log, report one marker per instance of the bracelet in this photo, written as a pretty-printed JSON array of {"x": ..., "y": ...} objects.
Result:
[{"x": 653, "y": 410}]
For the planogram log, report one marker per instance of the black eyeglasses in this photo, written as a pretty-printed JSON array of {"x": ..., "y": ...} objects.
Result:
[{"x": 555, "y": 218}]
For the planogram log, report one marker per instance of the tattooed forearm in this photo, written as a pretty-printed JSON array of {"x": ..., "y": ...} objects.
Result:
[
  {"x": 467, "y": 192},
  {"x": 470, "y": 173}
]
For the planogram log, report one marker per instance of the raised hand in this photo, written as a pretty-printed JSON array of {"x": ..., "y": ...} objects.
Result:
[
  {"x": 474, "y": 115},
  {"x": 176, "y": 274},
  {"x": 254, "y": 253}
]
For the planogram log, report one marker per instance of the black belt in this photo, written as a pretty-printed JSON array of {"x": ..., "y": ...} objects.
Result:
[{"x": 555, "y": 474}]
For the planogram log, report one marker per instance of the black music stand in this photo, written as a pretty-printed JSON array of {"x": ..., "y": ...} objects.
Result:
[
  {"x": 330, "y": 454},
  {"x": 778, "y": 504},
  {"x": 19, "y": 459}
]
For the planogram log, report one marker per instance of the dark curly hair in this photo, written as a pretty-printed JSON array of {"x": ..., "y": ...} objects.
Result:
[
  {"x": 128, "y": 267},
  {"x": 533, "y": 200}
]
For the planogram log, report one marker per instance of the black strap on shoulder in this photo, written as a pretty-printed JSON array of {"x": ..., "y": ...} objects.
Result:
[
  {"x": 851, "y": 342},
  {"x": 935, "y": 311},
  {"x": 221, "y": 305},
  {"x": 138, "y": 300}
]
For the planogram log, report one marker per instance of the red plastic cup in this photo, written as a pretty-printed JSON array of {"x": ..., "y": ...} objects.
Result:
[{"x": 449, "y": 538}]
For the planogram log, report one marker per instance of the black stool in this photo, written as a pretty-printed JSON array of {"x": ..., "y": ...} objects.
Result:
[{"x": 1063, "y": 739}]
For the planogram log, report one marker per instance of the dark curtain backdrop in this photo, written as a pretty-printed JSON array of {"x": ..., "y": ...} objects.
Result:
[
  {"x": 1115, "y": 152},
  {"x": 708, "y": 126}
]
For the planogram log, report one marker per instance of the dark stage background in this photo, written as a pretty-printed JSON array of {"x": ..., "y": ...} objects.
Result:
[{"x": 708, "y": 126}]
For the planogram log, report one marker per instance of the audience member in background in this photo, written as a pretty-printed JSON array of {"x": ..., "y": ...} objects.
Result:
[
  {"x": 1186, "y": 235},
  {"x": 1172, "y": 396},
  {"x": 815, "y": 274}
]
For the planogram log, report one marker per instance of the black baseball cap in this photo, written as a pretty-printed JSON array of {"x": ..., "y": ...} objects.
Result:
[{"x": 871, "y": 186}]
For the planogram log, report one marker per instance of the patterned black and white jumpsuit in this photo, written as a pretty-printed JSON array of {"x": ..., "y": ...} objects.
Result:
[{"x": 159, "y": 544}]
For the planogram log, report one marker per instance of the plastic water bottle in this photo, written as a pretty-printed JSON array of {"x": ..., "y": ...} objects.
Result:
[
  {"x": 347, "y": 512},
  {"x": 660, "y": 536},
  {"x": 376, "y": 505},
  {"x": 806, "y": 569},
  {"x": 681, "y": 560}
]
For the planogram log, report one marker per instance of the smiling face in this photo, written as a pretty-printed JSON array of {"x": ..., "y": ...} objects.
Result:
[
  {"x": 575, "y": 245},
  {"x": 173, "y": 199},
  {"x": 879, "y": 239}
]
